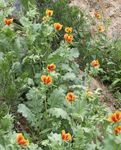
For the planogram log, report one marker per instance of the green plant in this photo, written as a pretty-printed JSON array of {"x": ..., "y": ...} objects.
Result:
[
  {"x": 40, "y": 76},
  {"x": 91, "y": 44}
]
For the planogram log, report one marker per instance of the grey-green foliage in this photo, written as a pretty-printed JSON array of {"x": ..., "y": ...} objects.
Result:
[
  {"x": 26, "y": 112},
  {"x": 56, "y": 98},
  {"x": 8, "y": 136},
  {"x": 59, "y": 113},
  {"x": 64, "y": 54},
  {"x": 33, "y": 108}
]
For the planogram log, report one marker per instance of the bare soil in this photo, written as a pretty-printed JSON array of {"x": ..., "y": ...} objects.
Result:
[{"x": 111, "y": 10}]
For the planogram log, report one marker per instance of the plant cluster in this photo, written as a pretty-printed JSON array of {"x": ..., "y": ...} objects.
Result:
[
  {"x": 51, "y": 104},
  {"x": 90, "y": 37}
]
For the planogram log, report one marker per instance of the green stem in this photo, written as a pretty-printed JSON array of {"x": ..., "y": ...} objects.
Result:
[{"x": 46, "y": 91}]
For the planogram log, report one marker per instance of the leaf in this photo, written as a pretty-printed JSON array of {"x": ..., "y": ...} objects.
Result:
[
  {"x": 3, "y": 110},
  {"x": 116, "y": 82},
  {"x": 1, "y": 56},
  {"x": 91, "y": 146},
  {"x": 26, "y": 112},
  {"x": 25, "y": 22},
  {"x": 16, "y": 67},
  {"x": 87, "y": 130},
  {"x": 66, "y": 67},
  {"x": 26, "y": 3},
  {"x": 56, "y": 98},
  {"x": 111, "y": 63},
  {"x": 6, "y": 123},
  {"x": 33, "y": 93},
  {"x": 56, "y": 138},
  {"x": 69, "y": 76},
  {"x": 1, "y": 147},
  {"x": 74, "y": 53},
  {"x": 30, "y": 82},
  {"x": 58, "y": 113},
  {"x": 35, "y": 147},
  {"x": 63, "y": 53}
]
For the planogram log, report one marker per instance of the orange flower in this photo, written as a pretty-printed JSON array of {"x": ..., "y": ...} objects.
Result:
[
  {"x": 21, "y": 140},
  {"x": 117, "y": 129},
  {"x": 66, "y": 136},
  {"x": 70, "y": 97},
  {"x": 101, "y": 28},
  {"x": 51, "y": 67},
  {"x": 95, "y": 64},
  {"x": 46, "y": 79},
  {"x": 49, "y": 12},
  {"x": 68, "y": 30},
  {"x": 58, "y": 26},
  {"x": 8, "y": 21},
  {"x": 98, "y": 15},
  {"x": 68, "y": 38},
  {"x": 116, "y": 117}
]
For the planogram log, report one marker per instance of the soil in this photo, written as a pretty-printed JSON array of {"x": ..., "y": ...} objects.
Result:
[
  {"x": 106, "y": 96},
  {"x": 111, "y": 10}
]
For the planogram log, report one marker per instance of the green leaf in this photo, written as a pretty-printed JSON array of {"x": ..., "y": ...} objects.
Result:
[
  {"x": 66, "y": 67},
  {"x": 26, "y": 3},
  {"x": 56, "y": 98},
  {"x": 91, "y": 146},
  {"x": 26, "y": 112},
  {"x": 74, "y": 53},
  {"x": 30, "y": 82},
  {"x": 58, "y": 113},
  {"x": 1, "y": 147},
  {"x": 1, "y": 56},
  {"x": 3, "y": 110},
  {"x": 116, "y": 82},
  {"x": 54, "y": 137},
  {"x": 69, "y": 76},
  {"x": 6, "y": 123}
]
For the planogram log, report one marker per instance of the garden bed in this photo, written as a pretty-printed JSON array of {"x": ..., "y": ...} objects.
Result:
[{"x": 47, "y": 103}]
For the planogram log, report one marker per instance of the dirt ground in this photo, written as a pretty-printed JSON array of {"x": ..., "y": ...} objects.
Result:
[{"x": 111, "y": 10}]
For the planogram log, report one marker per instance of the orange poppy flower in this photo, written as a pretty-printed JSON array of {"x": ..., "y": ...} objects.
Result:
[
  {"x": 101, "y": 28},
  {"x": 116, "y": 117},
  {"x": 70, "y": 97},
  {"x": 68, "y": 29},
  {"x": 21, "y": 140},
  {"x": 46, "y": 79},
  {"x": 66, "y": 136},
  {"x": 8, "y": 21},
  {"x": 117, "y": 129},
  {"x": 68, "y": 38},
  {"x": 98, "y": 15},
  {"x": 95, "y": 64},
  {"x": 51, "y": 67},
  {"x": 58, "y": 26},
  {"x": 49, "y": 12}
]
